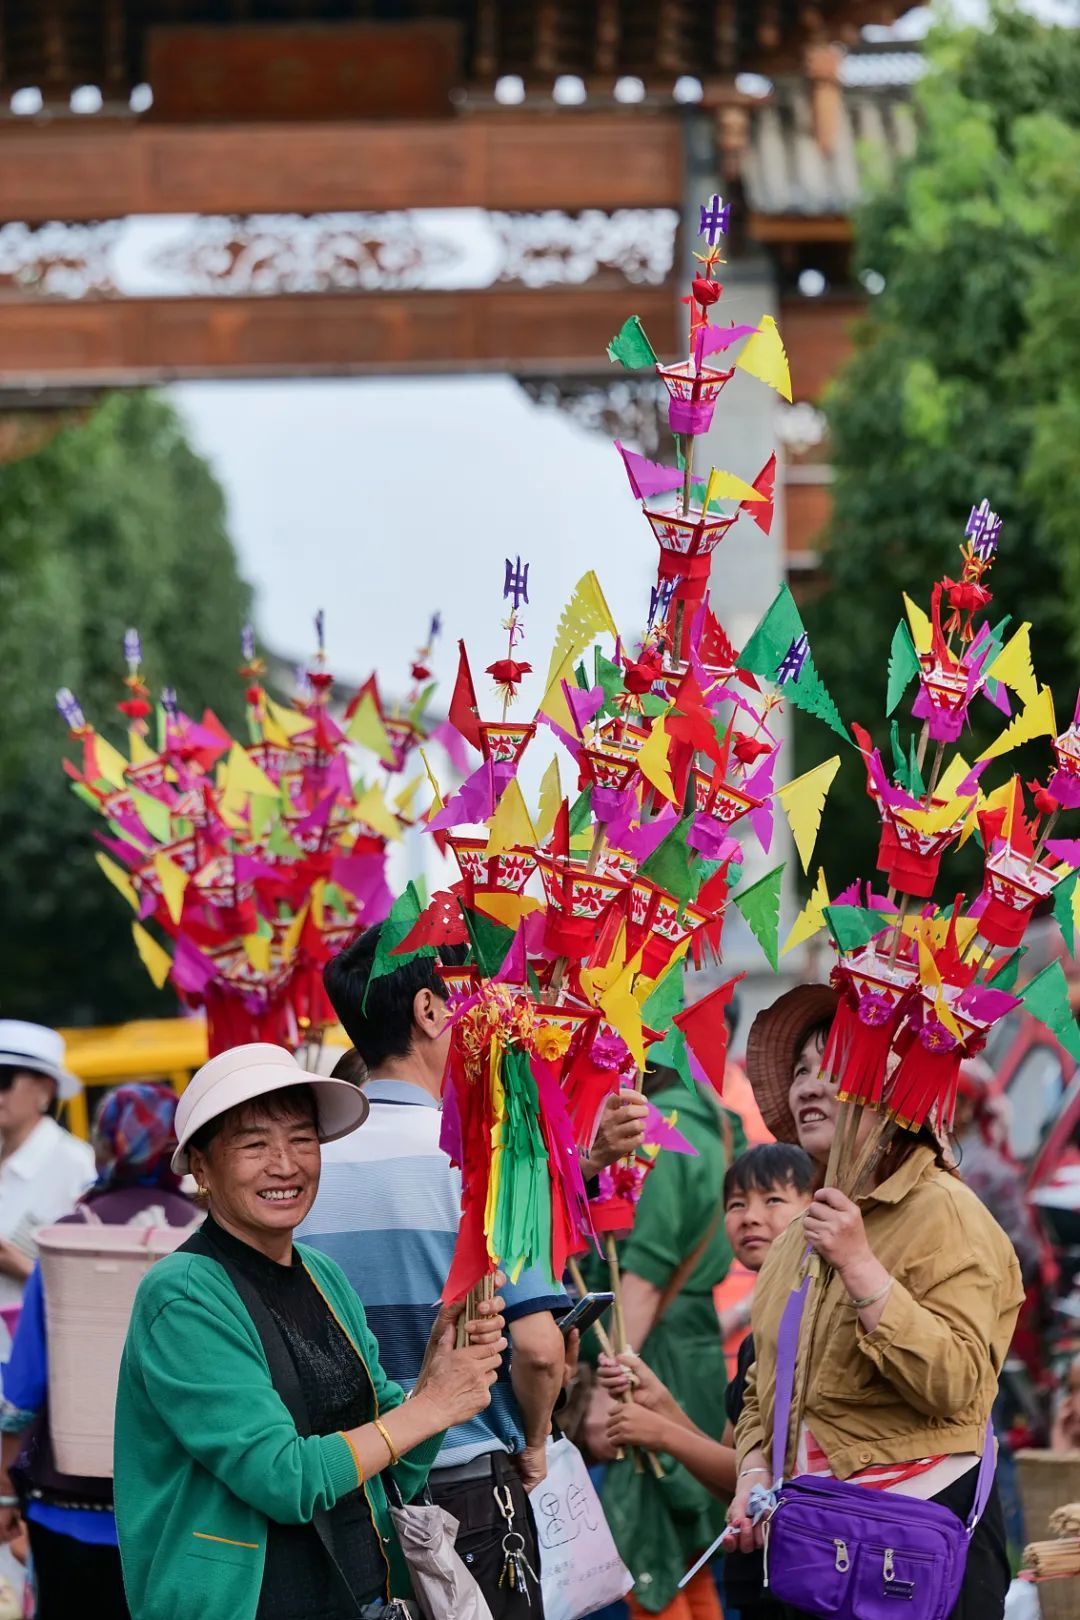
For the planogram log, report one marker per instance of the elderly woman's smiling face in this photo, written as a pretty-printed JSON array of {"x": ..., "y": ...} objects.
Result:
[{"x": 261, "y": 1167}]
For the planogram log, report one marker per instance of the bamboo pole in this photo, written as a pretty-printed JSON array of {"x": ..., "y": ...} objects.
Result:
[{"x": 619, "y": 1325}]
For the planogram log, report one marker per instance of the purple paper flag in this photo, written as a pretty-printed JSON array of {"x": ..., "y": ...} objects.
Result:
[
  {"x": 648, "y": 477},
  {"x": 660, "y": 1132},
  {"x": 714, "y": 339}
]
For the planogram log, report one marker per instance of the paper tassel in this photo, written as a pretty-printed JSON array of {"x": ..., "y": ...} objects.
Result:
[
  {"x": 760, "y": 906},
  {"x": 765, "y": 359},
  {"x": 1013, "y": 666},
  {"x": 155, "y": 960},
  {"x": 583, "y": 617},
  {"x": 803, "y": 800},
  {"x": 811, "y": 919},
  {"x": 1036, "y": 720},
  {"x": 630, "y": 347},
  {"x": 1046, "y": 998},
  {"x": 903, "y": 666}
]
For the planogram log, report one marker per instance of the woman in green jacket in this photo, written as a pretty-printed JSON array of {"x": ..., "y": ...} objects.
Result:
[{"x": 253, "y": 1419}]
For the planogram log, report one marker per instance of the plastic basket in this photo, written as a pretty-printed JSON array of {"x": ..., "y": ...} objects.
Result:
[{"x": 91, "y": 1274}]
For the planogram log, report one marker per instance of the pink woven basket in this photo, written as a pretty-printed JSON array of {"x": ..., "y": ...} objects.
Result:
[{"x": 91, "y": 1274}]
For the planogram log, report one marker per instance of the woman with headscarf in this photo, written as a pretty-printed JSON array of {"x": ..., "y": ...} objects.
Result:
[
  {"x": 902, "y": 1344},
  {"x": 70, "y": 1520}
]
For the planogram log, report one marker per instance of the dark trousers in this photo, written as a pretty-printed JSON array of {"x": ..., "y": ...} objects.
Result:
[
  {"x": 987, "y": 1574},
  {"x": 75, "y": 1580},
  {"x": 483, "y": 1530}
]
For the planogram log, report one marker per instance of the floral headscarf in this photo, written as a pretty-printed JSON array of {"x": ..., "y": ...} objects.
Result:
[{"x": 134, "y": 1137}]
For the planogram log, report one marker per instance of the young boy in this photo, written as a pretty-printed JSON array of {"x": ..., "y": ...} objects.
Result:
[{"x": 764, "y": 1191}]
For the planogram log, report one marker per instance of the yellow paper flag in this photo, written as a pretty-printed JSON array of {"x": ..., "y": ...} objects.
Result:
[
  {"x": 764, "y": 358},
  {"x": 371, "y": 808},
  {"x": 291, "y": 938},
  {"x": 652, "y": 760},
  {"x": 139, "y": 748},
  {"x": 1013, "y": 666},
  {"x": 437, "y": 801},
  {"x": 403, "y": 801},
  {"x": 257, "y": 951},
  {"x": 242, "y": 776},
  {"x": 551, "y": 796},
  {"x": 951, "y": 778},
  {"x": 811, "y": 919},
  {"x": 510, "y": 824},
  {"x": 727, "y": 486},
  {"x": 554, "y": 703},
  {"x": 622, "y": 1009},
  {"x": 272, "y": 732},
  {"x": 803, "y": 801},
  {"x": 508, "y": 909},
  {"x": 366, "y": 727},
  {"x": 922, "y": 633},
  {"x": 156, "y": 961},
  {"x": 937, "y": 819},
  {"x": 291, "y": 723},
  {"x": 174, "y": 882},
  {"x": 110, "y": 762},
  {"x": 1035, "y": 720},
  {"x": 119, "y": 879},
  {"x": 583, "y": 617}
]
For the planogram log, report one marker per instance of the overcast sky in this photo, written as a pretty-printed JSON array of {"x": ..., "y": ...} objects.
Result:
[{"x": 384, "y": 500}]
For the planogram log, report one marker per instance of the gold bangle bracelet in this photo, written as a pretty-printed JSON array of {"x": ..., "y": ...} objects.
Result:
[{"x": 394, "y": 1458}]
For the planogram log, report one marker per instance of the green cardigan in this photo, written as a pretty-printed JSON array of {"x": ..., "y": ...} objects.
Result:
[{"x": 206, "y": 1452}]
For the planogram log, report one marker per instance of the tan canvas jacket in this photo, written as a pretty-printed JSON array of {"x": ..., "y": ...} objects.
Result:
[{"x": 923, "y": 1382}]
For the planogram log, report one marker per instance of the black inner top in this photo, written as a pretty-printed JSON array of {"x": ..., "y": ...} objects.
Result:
[
  {"x": 299, "y": 1582},
  {"x": 744, "y": 1573}
]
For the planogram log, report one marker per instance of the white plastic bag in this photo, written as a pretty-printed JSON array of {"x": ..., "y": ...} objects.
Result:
[{"x": 580, "y": 1567}]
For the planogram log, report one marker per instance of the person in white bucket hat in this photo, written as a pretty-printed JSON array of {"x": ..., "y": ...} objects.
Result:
[
  {"x": 44, "y": 1170},
  {"x": 253, "y": 1417}
]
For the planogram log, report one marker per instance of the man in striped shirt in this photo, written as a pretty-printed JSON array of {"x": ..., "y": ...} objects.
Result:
[{"x": 388, "y": 1211}]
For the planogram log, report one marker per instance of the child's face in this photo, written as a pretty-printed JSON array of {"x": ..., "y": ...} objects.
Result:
[{"x": 755, "y": 1219}]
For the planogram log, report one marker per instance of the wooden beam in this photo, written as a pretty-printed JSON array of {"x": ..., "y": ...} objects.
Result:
[
  {"x": 114, "y": 341},
  {"x": 513, "y": 160}
]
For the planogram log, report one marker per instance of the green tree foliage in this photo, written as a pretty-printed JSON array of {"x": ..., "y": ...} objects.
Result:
[
  {"x": 965, "y": 383},
  {"x": 116, "y": 522}
]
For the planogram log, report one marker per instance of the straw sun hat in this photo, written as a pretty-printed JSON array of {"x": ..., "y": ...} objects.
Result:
[
  {"x": 246, "y": 1072},
  {"x": 776, "y": 1038}
]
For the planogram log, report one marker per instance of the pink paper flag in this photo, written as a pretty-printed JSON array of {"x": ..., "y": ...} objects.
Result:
[{"x": 648, "y": 477}]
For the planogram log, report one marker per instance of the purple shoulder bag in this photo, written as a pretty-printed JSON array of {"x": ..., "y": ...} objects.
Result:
[{"x": 852, "y": 1553}]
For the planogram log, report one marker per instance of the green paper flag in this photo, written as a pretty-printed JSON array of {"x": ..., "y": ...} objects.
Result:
[
  {"x": 659, "y": 1010},
  {"x": 1062, "y": 900},
  {"x": 1046, "y": 998},
  {"x": 760, "y": 905},
  {"x": 403, "y": 915},
  {"x": 609, "y": 678},
  {"x": 1006, "y": 976},
  {"x": 852, "y": 926},
  {"x": 630, "y": 347},
  {"x": 674, "y": 865},
  {"x": 779, "y": 650},
  {"x": 581, "y": 811},
  {"x": 490, "y": 941},
  {"x": 903, "y": 665}
]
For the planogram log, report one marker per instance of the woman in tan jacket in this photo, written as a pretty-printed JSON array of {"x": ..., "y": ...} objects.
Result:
[{"x": 906, "y": 1333}]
